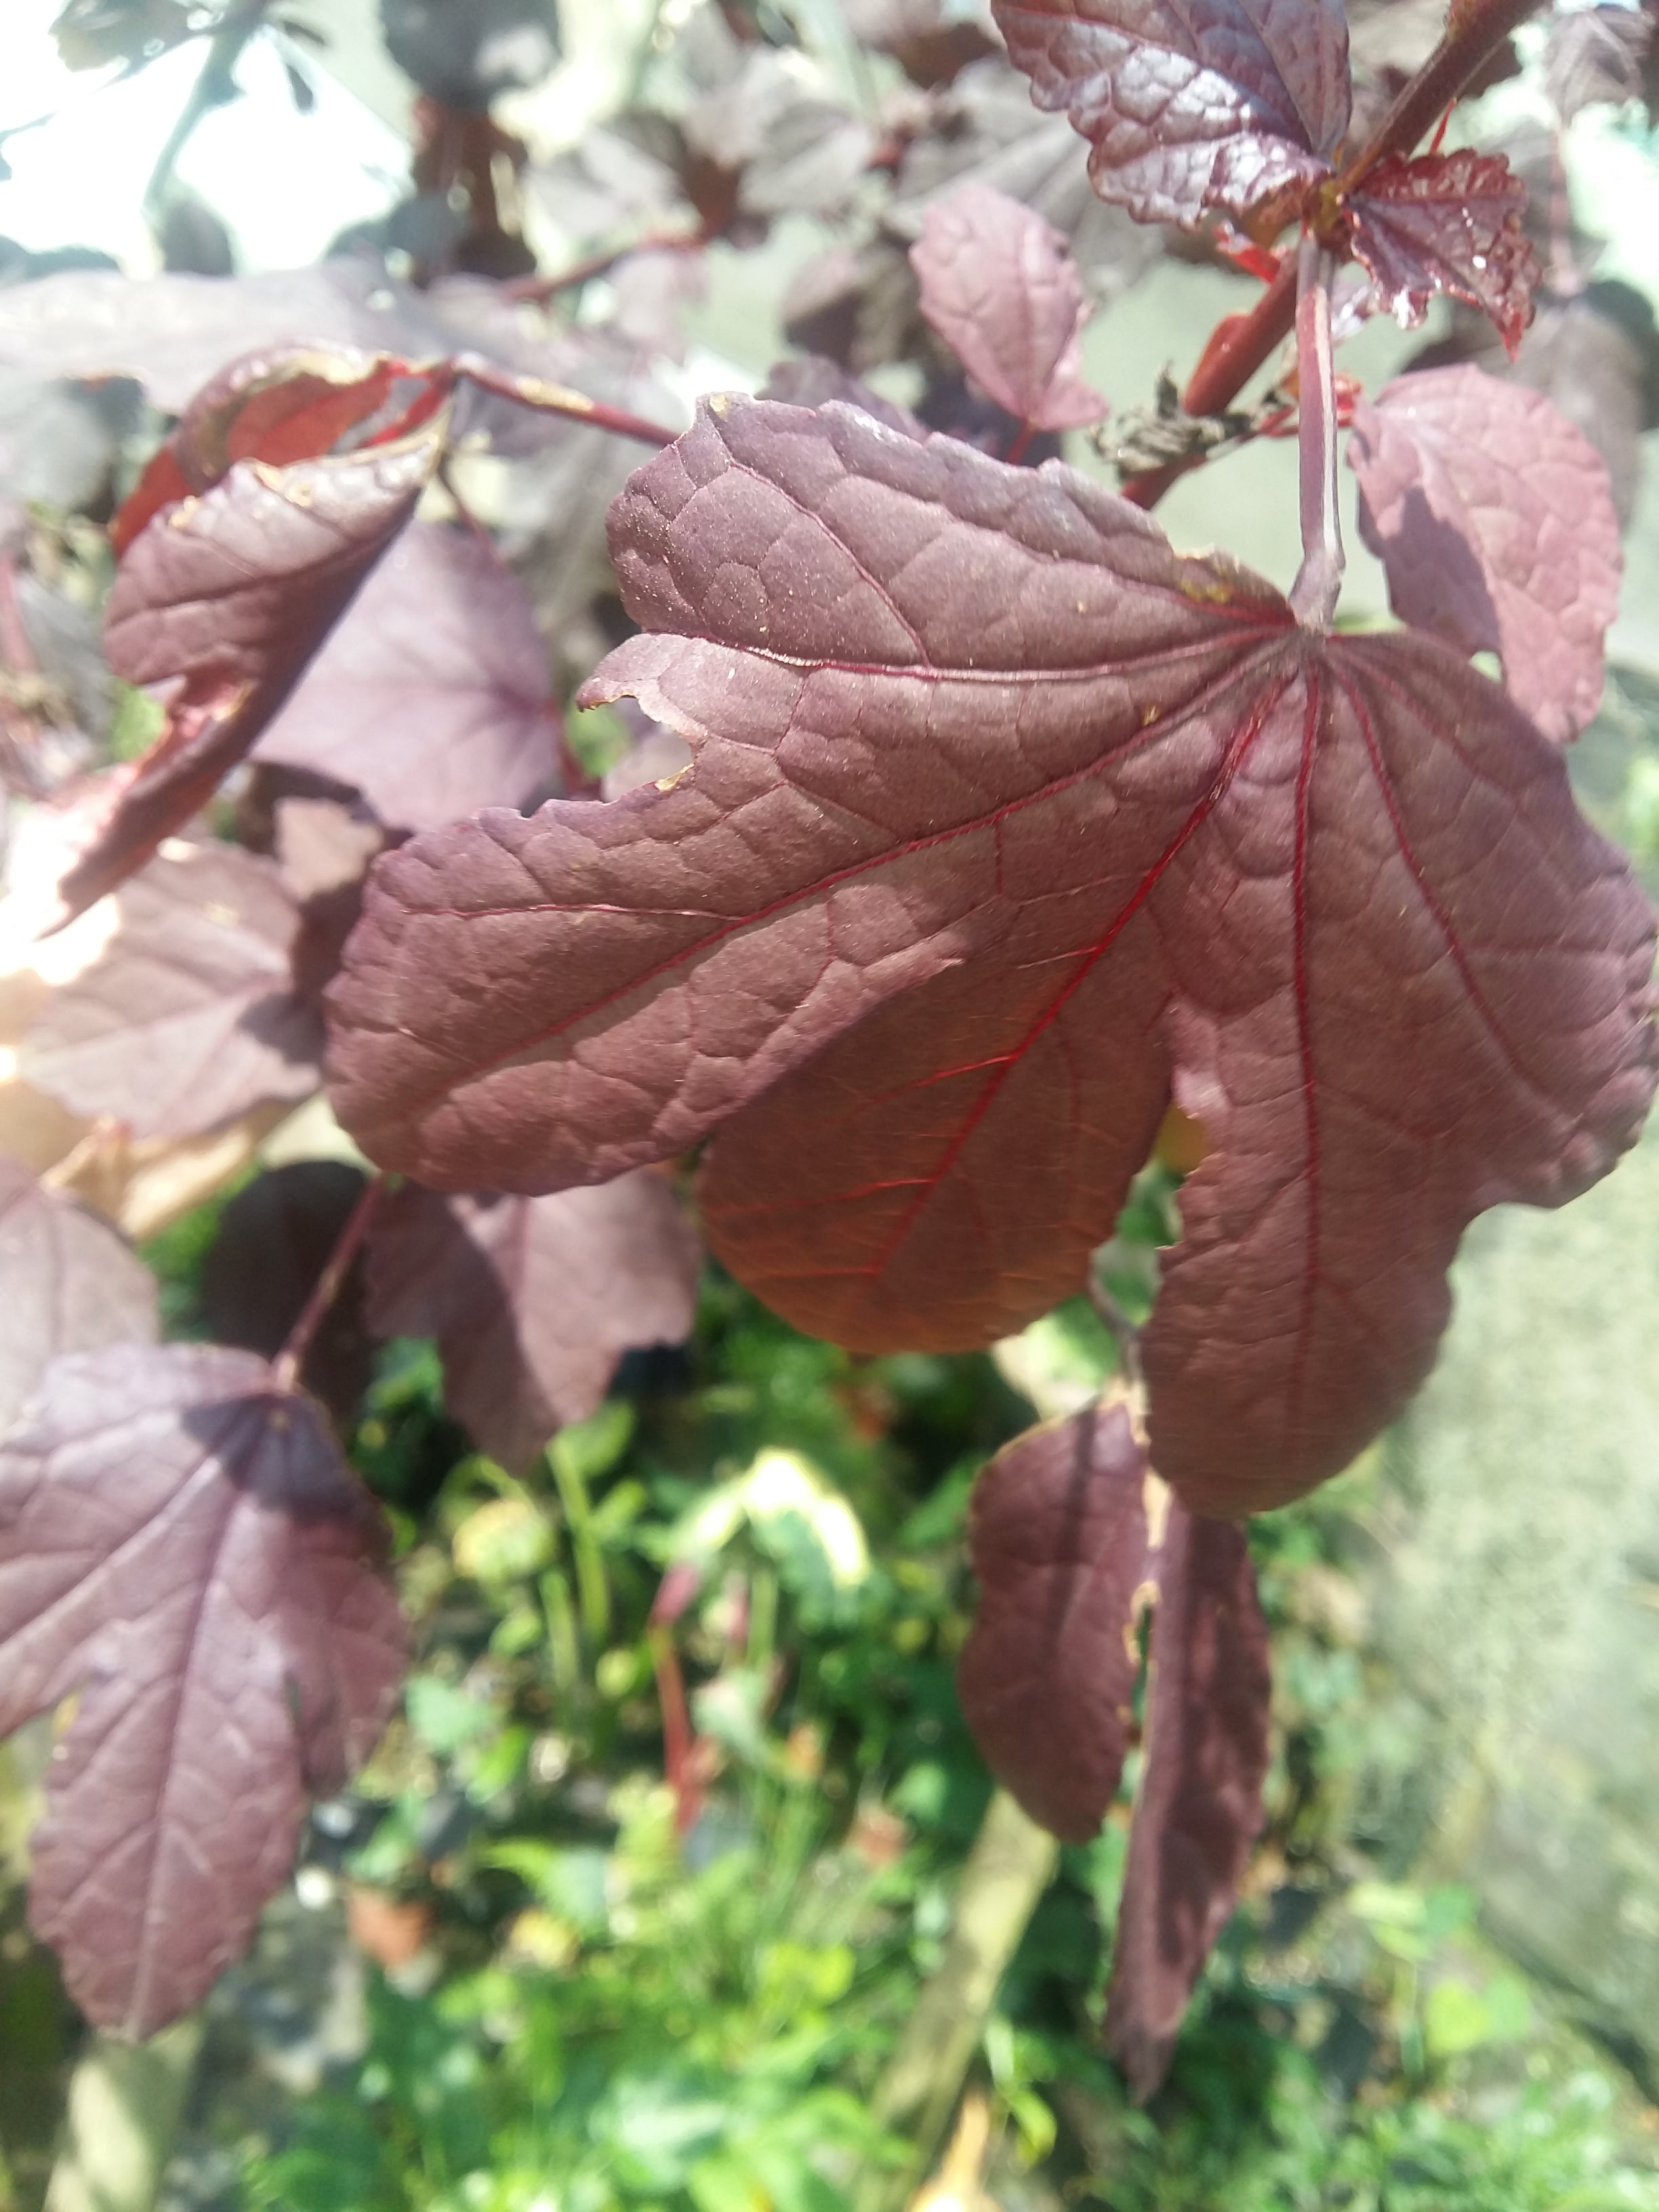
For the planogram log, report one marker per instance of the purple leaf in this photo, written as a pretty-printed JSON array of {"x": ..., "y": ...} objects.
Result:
[
  {"x": 1006, "y": 825},
  {"x": 1595, "y": 56},
  {"x": 432, "y": 695},
  {"x": 999, "y": 287},
  {"x": 813, "y": 381},
  {"x": 1494, "y": 518},
  {"x": 189, "y": 1016},
  {"x": 1447, "y": 222},
  {"x": 532, "y": 1301},
  {"x": 251, "y": 555},
  {"x": 68, "y": 1282},
  {"x": 1058, "y": 1542},
  {"x": 182, "y": 1549},
  {"x": 1199, "y": 1808},
  {"x": 1216, "y": 104},
  {"x": 272, "y": 1243}
]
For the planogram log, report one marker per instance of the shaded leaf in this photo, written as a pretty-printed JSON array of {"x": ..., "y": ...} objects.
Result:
[
  {"x": 928, "y": 45},
  {"x": 1222, "y": 104},
  {"x": 1005, "y": 823},
  {"x": 1058, "y": 1540},
  {"x": 68, "y": 1282},
  {"x": 247, "y": 551},
  {"x": 189, "y": 1017},
  {"x": 1448, "y": 223},
  {"x": 273, "y": 1240},
  {"x": 467, "y": 53},
  {"x": 813, "y": 381},
  {"x": 1495, "y": 521},
  {"x": 999, "y": 287},
  {"x": 182, "y": 1547},
  {"x": 532, "y": 1301},
  {"x": 1197, "y": 1810},
  {"x": 432, "y": 696},
  {"x": 1595, "y": 56}
]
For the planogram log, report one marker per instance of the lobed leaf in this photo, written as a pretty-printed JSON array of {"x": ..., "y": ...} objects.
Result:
[
  {"x": 432, "y": 695},
  {"x": 1006, "y": 825},
  {"x": 999, "y": 287},
  {"x": 189, "y": 1018},
  {"x": 1197, "y": 1810},
  {"x": 1447, "y": 222},
  {"x": 1494, "y": 519},
  {"x": 1214, "y": 103},
  {"x": 1059, "y": 1543},
  {"x": 1595, "y": 56},
  {"x": 532, "y": 1301},
  {"x": 68, "y": 1282},
  {"x": 184, "y": 1551},
  {"x": 241, "y": 567}
]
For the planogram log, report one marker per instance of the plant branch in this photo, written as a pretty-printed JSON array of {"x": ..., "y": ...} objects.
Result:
[
  {"x": 533, "y": 392},
  {"x": 1125, "y": 1333},
  {"x": 1319, "y": 580},
  {"x": 1473, "y": 34},
  {"x": 327, "y": 1288},
  {"x": 1243, "y": 344},
  {"x": 533, "y": 290}
]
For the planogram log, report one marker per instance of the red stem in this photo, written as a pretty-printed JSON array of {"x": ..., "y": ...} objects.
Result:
[
  {"x": 559, "y": 399},
  {"x": 679, "y": 1743},
  {"x": 327, "y": 1288},
  {"x": 1235, "y": 356}
]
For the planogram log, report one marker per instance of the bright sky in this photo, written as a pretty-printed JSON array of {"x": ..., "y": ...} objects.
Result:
[{"x": 283, "y": 182}]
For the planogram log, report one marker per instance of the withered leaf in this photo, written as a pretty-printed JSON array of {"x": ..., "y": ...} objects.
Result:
[
  {"x": 1059, "y": 1542},
  {"x": 189, "y": 1016},
  {"x": 532, "y": 1301},
  {"x": 1494, "y": 519},
  {"x": 68, "y": 1282},
  {"x": 1006, "y": 823},
  {"x": 183, "y": 1549},
  {"x": 999, "y": 287},
  {"x": 1197, "y": 1810},
  {"x": 432, "y": 695}
]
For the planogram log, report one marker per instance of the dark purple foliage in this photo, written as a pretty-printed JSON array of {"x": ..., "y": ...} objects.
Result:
[
  {"x": 533, "y": 1300},
  {"x": 182, "y": 1549},
  {"x": 68, "y": 1282},
  {"x": 983, "y": 773}
]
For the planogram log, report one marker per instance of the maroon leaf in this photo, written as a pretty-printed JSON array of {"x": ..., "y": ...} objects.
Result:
[
  {"x": 813, "y": 381},
  {"x": 999, "y": 287},
  {"x": 182, "y": 1547},
  {"x": 189, "y": 1017},
  {"x": 1595, "y": 56},
  {"x": 1494, "y": 518},
  {"x": 247, "y": 554},
  {"x": 1221, "y": 103},
  {"x": 930, "y": 46},
  {"x": 432, "y": 695},
  {"x": 1046, "y": 1678},
  {"x": 1199, "y": 1808},
  {"x": 68, "y": 1282},
  {"x": 1007, "y": 823},
  {"x": 532, "y": 1301},
  {"x": 273, "y": 1241},
  {"x": 1448, "y": 223}
]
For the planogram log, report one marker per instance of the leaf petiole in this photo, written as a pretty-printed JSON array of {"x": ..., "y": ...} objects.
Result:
[
  {"x": 1319, "y": 580},
  {"x": 289, "y": 1360}
]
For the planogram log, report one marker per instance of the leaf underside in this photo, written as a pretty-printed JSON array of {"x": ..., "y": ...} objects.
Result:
[
  {"x": 183, "y": 1549},
  {"x": 1007, "y": 824}
]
